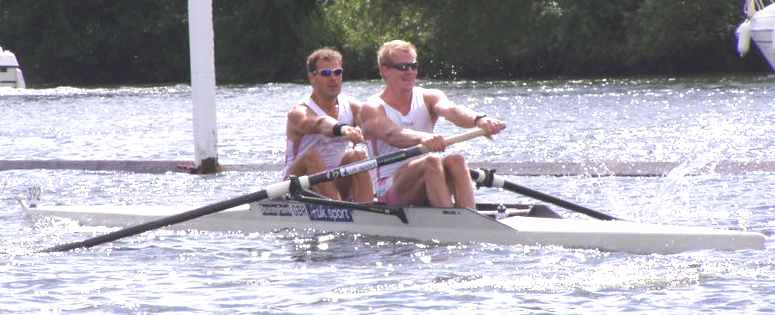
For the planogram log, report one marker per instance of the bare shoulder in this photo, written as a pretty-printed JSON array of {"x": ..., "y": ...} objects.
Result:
[
  {"x": 298, "y": 113},
  {"x": 433, "y": 92},
  {"x": 355, "y": 103},
  {"x": 436, "y": 101},
  {"x": 433, "y": 96},
  {"x": 371, "y": 108}
]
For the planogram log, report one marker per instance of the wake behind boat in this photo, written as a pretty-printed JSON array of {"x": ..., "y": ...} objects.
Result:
[{"x": 515, "y": 224}]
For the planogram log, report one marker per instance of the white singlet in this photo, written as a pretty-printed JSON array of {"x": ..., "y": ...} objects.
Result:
[
  {"x": 330, "y": 149},
  {"x": 418, "y": 118}
]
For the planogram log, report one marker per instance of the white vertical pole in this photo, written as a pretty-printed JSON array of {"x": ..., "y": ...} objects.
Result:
[{"x": 200, "y": 34}]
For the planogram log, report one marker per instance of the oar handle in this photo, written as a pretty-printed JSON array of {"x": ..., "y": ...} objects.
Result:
[{"x": 476, "y": 132}]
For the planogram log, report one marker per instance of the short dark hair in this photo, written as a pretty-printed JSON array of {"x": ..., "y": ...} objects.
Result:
[{"x": 328, "y": 54}]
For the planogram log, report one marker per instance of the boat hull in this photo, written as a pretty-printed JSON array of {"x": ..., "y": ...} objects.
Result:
[
  {"x": 10, "y": 72},
  {"x": 432, "y": 224},
  {"x": 763, "y": 33}
]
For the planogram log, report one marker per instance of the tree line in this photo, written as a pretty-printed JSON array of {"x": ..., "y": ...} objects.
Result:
[{"x": 103, "y": 42}]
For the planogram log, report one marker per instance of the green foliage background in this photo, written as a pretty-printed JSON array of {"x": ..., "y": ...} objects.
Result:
[{"x": 98, "y": 42}]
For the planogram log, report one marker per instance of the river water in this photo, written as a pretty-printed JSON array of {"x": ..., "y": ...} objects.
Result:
[{"x": 695, "y": 122}]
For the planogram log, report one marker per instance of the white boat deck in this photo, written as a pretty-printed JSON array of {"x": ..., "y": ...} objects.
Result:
[{"x": 430, "y": 224}]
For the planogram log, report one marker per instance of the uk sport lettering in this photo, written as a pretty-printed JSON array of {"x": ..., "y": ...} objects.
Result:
[{"x": 330, "y": 214}]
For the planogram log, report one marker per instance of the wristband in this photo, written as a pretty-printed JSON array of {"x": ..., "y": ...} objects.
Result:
[
  {"x": 338, "y": 129},
  {"x": 480, "y": 116}
]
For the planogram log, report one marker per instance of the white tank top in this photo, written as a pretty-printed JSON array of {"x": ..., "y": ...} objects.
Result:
[
  {"x": 330, "y": 149},
  {"x": 418, "y": 119}
]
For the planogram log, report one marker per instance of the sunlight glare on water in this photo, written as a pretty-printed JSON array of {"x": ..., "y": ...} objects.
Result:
[{"x": 694, "y": 122}]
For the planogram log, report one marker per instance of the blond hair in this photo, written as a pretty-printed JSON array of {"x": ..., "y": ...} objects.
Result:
[
  {"x": 325, "y": 53},
  {"x": 387, "y": 49}
]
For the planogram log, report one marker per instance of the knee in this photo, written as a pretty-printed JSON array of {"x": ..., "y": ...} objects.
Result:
[
  {"x": 455, "y": 161},
  {"x": 434, "y": 166},
  {"x": 354, "y": 156}
]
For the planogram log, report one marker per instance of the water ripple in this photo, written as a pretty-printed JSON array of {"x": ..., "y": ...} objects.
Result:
[{"x": 692, "y": 122}]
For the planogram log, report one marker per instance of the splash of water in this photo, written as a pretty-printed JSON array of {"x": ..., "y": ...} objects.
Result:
[{"x": 706, "y": 145}]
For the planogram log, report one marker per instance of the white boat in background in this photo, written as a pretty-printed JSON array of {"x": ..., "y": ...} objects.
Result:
[
  {"x": 759, "y": 26},
  {"x": 10, "y": 72},
  {"x": 492, "y": 223}
]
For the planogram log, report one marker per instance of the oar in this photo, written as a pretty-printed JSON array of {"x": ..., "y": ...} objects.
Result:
[
  {"x": 271, "y": 191},
  {"x": 488, "y": 178}
]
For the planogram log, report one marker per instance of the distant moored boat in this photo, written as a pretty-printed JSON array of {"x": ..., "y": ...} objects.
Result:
[
  {"x": 759, "y": 26},
  {"x": 10, "y": 72}
]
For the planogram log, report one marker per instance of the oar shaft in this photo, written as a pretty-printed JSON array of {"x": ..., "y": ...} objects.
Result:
[
  {"x": 159, "y": 223},
  {"x": 555, "y": 201},
  {"x": 498, "y": 181}
]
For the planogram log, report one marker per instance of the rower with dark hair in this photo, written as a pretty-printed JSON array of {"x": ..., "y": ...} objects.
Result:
[{"x": 321, "y": 129}]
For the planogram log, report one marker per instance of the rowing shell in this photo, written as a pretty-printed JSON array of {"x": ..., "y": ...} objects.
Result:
[{"x": 445, "y": 225}]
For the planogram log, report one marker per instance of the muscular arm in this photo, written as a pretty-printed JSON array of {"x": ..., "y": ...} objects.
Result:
[
  {"x": 440, "y": 105},
  {"x": 356, "y": 107},
  {"x": 461, "y": 116},
  {"x": 303, "y": 121}
]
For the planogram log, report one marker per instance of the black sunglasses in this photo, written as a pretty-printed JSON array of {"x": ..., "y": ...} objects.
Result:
[
  {"x": 404, "y": 66},
  {"x": 328, "y": 72}
]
